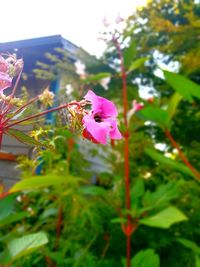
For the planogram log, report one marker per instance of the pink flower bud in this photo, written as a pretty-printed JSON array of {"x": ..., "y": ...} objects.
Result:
[
  {"x": 5, "y": 81},
  {"x": 19, "y": 64},
  {"x": 137, "y": 106},
  {"x": 3, "y": 65}
]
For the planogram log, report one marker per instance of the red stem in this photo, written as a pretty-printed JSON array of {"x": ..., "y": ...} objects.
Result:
[
  {"x": 181, "y": 154},
  {"x": 1, "y": 137},
  {"x": 126, "y": 151},
  {"x": 58, "y": 227},
  {"x": 20, "y": 108},
  {"x": 128, "y": 251},
  {"x": 41, "y": 114}
]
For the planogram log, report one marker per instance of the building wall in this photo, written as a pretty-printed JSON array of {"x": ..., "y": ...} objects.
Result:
[{"x": 10, "y": 149}]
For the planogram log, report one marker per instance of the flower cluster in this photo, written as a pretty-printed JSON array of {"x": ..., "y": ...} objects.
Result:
[{"x": 9, "y": 67}]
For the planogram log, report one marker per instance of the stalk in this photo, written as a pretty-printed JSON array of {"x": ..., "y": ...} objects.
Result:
[
  {"x": 41, "y": 114},
  {"x": 181, "y": 154},
  {"x": 20, "y": 109},
  {"x": 1, "y": 138}
]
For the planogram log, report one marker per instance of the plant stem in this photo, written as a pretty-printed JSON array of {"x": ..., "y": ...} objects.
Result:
[
  {"x": 41, "y": 114},
  {"x": 32, "y": 100},
  {"x": 128, "y": 251},
  {"x": 181, "y": 154},
  {"x": 13, "y": 93},
  {"x": 58, "y": 226},
  {"x": 1, "y": 138},
  {"x": 126, "y": 150}
]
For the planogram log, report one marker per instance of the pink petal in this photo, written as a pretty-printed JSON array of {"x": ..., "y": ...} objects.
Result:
[
  {"x": 101, "y": 105},
  {"x": 99, "y": 130},
  {"x": 5, "y": 81},
  {"x": 114, "y": 131},
  {"x": 3, "y": 65},
  {"x": 115, "y": 134}
]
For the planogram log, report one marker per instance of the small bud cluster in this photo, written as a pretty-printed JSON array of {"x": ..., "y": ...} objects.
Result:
[
  {"x": 15, "y": 101},
  {"x": 47, "y": 98}
]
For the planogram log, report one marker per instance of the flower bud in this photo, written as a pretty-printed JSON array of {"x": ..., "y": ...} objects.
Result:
[
  {"x": 5, "y": 81},
  {"x": 47, "y": 98},
  {"x": 3, "y": 65}
]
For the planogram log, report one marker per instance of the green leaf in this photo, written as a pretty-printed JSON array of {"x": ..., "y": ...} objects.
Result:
[
  {"x": 168, "y": 162},
  {"x": 182, "y": 85},
  {"x": 119, "y": 220},
  {"x": 7, "y": 205},
  {"x": 24, "y": 138},
  {"x": 161, "y": 197},
  {"x": 93, "y": 190},
  {"x": 173, "y": 103},
  {"x": 137, "y": 63},
  {"x": 138, "y": 188},
  {"x": 37, "y": 182},
  {"x": 145, "y": 258},
  {"x": 14, "y": 218},
  {"x": 189, "y": 244},
  {"x": 97, "y": 77},
  {"x": 155, "y": 114},
  {"x": 197, "y": 261},
  {"x": 165, "y": 218},
  {"x": 193, "y": 246},
  {"x": 129, "y": 53},
  {"x": 24, "y": 245}
]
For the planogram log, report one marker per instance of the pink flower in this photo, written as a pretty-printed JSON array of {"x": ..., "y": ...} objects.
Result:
[
  {"x": 101, "y": 122},
  {"x": 5, "y": 81}
]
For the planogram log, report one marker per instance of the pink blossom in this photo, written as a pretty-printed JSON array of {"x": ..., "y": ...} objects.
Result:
[
  {"x": 119, "y": 19},
  {"x": 105, "y": 22},
  {"x": 4, "y": 66},
  {"x": 5, "y": 81},
  {"x": 101, "y": 122},
  {"x": 137, "y": 106}
]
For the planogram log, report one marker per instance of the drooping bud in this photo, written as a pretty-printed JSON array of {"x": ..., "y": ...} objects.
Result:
[{"x": 19, "y": 64}]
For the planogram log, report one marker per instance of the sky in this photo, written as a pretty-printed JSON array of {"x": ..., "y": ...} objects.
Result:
[{"x": 78, "y": 21}]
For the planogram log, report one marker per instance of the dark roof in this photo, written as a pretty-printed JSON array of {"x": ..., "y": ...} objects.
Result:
[
  {"x": 33, "y": 50},
  {"x": 41, "y": 41}
]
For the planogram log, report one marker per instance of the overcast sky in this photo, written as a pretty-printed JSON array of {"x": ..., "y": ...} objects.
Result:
[{"x": 79, "y": 21}]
